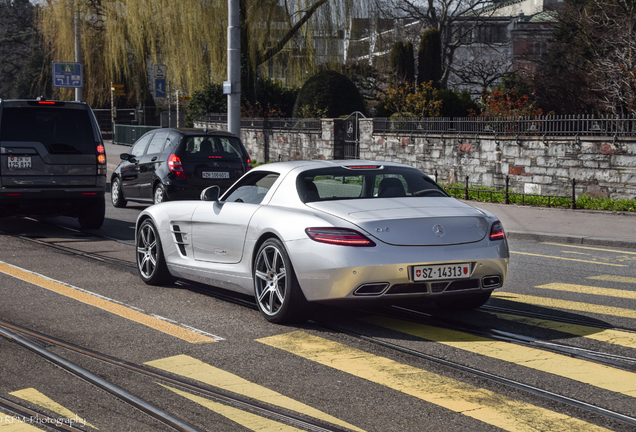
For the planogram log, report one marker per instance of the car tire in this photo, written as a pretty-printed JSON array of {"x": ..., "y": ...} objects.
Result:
[
  {"x": 159, "y": 194},
  {"x": 464, "y": 303},
  {"x": 278, "y": 294},
  {"x": 151, "y": 261},
  {"x": 91, "y": 216},
  {"x": 116, "y": 194}
]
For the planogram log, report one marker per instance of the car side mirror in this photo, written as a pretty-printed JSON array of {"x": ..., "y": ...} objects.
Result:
[
  {"x": 125, "y": 156},
  {"x": 211, "y": 193}
]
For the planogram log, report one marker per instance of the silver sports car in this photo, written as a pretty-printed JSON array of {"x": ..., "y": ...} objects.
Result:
[{"x": 290, "y": 233}]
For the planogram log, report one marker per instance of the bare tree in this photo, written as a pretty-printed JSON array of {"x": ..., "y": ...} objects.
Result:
[{"x": 455, "y": 19}]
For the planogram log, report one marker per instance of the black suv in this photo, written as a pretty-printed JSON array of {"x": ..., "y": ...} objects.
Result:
[
  {"x": 176, "y": 164},
  {"x": 52, "y": 161}
]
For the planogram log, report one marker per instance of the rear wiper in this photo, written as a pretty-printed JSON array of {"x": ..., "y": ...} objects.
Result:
[{"x": 61, "y": 148}]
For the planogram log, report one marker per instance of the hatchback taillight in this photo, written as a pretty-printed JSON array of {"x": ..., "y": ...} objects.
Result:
[
  {"x": 497, "y": 231},
  {"x": 101, "y": 159},
  {"x": 339, "y": 236},
  {"x": 175, "y": 166}
]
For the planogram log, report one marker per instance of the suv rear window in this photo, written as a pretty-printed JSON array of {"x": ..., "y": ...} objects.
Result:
[
  {"x": 61, "y": 130},
  {"x": 209, "y": 147}
]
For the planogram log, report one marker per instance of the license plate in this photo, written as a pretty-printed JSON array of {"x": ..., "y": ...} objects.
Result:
[
  {"x": 436, "y": 272},
  {"x": 216, "y": 174},
  {"x": 19, "y": 162}
]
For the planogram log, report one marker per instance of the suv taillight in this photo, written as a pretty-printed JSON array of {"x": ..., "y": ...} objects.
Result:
[
  {"x": 101, "y": 160},
  {"x": 175, "y": 166},
  {"x": 249, "y": 165}
]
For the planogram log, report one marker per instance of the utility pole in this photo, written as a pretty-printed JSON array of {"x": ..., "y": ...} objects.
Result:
[
  {"x": 78, "y": 57},
  {"x": 233, "y": 68}
]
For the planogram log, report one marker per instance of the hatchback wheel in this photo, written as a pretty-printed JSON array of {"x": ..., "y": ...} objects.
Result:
[
  {"x": 276, "y": 288},
  {"x": 160, "y": 194},
  {"x": 116, "y": 194},
  {"x": 151, "y": 262}
]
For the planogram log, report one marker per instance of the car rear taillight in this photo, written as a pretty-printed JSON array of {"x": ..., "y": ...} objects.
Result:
[
  {"x": 249, "y": 165},
  {"x": 101, "y": 160},
  {"x": 339, "y": 236},
  {"x": 497, "y": 231},
  {"x": 175, "y": 166}
]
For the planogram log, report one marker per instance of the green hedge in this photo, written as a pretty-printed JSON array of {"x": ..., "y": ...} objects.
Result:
[{"x": 486, "y": 194}]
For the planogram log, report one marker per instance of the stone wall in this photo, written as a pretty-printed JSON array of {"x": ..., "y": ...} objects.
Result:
[{"x": 601, "y": 166}]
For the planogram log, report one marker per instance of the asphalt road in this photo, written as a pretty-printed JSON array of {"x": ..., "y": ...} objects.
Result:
[{"x": 566, "y": 315}]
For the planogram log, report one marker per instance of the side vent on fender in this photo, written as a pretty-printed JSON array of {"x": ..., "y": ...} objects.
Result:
[{"x": 180, "y": 238}]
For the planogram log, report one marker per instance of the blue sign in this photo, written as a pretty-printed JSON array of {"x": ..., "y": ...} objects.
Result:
[
  {"x": 67, "y": 75},
  {"x": 160, "y": 88}
]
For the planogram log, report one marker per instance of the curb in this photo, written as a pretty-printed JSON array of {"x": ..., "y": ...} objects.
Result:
[{"x": 568, "y": 239}]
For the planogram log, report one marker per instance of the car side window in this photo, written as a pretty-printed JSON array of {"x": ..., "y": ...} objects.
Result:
[
  {"x": 253, "y": 188},
  {"x": 156, "y": 144},
  {"x": 139, "y": 147},
  {"x": 172, "y": 139}
]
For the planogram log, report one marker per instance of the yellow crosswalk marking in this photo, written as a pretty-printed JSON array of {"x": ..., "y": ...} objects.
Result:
[
  {"x": 248, "y": 420},
  {"x": 611, "y": 278},
  {"x": 584, "y": 289},
  {"x": 39, "y": 399},
  {"x": 566, "y": 304},
  {"x": 481, "y": 404},
  {"x": 615, "y": 337},
  {"x": 583, "y": 371},
  {"x": 568, "y": 259},
  {"x": 196, "y": 369},
  {"x": 102, "y": 303},
  {"x": 15, "y": 424}
]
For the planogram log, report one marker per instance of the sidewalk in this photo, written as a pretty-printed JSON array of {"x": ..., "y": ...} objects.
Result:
[{"x": 587, "y": 227}]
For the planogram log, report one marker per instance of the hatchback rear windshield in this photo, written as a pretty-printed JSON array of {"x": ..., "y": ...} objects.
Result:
[
  {"x": 374, "y": 182},
  {"x": 61, "y": 130},
  {"x": 209, "y": 147}
]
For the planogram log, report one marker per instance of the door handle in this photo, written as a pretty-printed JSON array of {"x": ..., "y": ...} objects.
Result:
[{"x": 154, "y": 159}]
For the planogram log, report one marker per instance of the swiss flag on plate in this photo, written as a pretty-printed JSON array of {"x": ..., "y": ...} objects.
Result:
[{"x": 418, "y": 273}]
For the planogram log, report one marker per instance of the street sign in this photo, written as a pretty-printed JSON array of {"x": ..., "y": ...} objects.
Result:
[
  {"x": 67, "y": 75},
  {"x": 227, "y": 87},
  {"x": 160, "y": 71},
  {"x": 160, "y": 88}
]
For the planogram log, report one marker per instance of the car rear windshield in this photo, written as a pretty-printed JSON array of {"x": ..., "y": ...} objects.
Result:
[
  {"x": 211, "y": 147},
  {"x": 61, "y": 130},
  {"x": 364, "y": 183}
]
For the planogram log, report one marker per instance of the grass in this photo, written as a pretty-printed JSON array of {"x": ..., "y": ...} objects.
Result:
[{"x": 486, "y": 194}]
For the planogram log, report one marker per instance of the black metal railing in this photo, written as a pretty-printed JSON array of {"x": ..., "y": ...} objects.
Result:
[
  {"x": 572, "y": 125},
  {"x": 269, "y": 123}
]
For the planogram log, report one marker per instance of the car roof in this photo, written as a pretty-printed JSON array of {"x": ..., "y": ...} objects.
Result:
[
  {"x": 199, "y": 131},
  {"x": 305, "y": 165},
  {"x": 19, "y": 102}
]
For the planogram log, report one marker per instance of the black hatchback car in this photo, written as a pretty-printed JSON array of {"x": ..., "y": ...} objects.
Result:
[
  {"x": 52, "y": 161},
  {"x": 176, "y": 164}
]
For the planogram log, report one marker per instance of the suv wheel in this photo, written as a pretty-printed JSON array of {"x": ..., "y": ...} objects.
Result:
[
  {"x": 159, "y": 195},
  {"x": 116, "y": 195},
  {"x": 91, "y": 215}
]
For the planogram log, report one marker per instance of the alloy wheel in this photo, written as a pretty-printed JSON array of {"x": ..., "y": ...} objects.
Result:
[{"x": 270, "y": 280}]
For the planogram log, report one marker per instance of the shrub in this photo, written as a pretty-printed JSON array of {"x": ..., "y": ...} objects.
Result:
[{"x": 331, "y": 91}]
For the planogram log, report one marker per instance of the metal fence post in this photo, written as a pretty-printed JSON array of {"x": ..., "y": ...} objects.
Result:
[
  {"x": 466, "y": 189},
  {"x": 573, "y": 205},
  {"x": 507, "y": 200}
]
